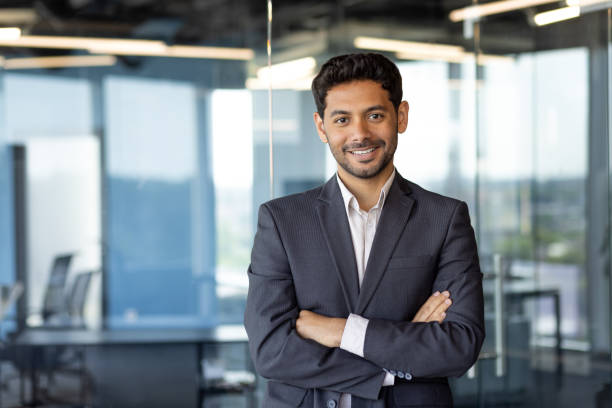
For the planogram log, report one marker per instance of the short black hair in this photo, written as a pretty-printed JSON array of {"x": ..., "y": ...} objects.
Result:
[{"x": 352, "y": 67}]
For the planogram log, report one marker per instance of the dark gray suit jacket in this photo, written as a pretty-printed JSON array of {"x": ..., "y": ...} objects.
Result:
[{"x": 303, "y": 258}]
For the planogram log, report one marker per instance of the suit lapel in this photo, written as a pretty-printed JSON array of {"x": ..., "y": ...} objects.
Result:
[
  {"x": 337, "y": 232},
  {"x": 394, "y": 217}
]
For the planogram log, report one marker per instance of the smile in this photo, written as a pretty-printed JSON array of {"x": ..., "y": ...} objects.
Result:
[{"x": 363, "y": 152}]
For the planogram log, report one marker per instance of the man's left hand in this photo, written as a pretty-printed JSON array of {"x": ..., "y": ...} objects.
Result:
[{"x": 322, "y": 329}]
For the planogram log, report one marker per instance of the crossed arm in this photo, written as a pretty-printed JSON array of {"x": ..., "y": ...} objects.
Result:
[
  {"x": 328, "y": 331},
  {"x": 427, "y": 346}
]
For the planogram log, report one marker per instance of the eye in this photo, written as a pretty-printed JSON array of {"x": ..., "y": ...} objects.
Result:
[
  {"x": 376, "y": 116},
  {"x": 341, "y": 120}
]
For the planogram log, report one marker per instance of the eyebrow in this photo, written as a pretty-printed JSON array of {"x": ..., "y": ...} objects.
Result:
[
  {"x": 338, "y": 112},
  {"x": 343, "y": 112}
]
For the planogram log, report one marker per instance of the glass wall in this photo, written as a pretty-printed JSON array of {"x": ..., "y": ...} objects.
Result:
[{"x": 149, "y": 171}]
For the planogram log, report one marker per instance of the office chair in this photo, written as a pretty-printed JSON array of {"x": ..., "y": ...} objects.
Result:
[
  {"x": 63, "y": 310},
  {"x": 55, "y": 299},
  {"x": 71, "y": 314},
  {"x": 62, "y": 359}
]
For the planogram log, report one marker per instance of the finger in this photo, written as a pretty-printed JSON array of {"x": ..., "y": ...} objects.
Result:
[
  {"x": 440, "y": 313},
  {"x": 430, "y": 306},
  {"x": 440, "y": 307},
  {"x": 421, "y": 314},
  {"x": 427, "y": 307}
]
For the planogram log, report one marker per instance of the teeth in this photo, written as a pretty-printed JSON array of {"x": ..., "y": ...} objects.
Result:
[{"x": 364, "y": 151}]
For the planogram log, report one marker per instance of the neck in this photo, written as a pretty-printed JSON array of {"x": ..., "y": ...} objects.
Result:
[{"x": 366, "y": 190}]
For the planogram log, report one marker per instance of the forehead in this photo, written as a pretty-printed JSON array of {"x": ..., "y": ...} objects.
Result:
[{"x": 356, "y": 95}]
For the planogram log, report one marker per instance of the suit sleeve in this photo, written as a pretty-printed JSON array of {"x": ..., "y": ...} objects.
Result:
[
  {"x": 434, "y": 349},
  {"x": 278, "y": 352}
]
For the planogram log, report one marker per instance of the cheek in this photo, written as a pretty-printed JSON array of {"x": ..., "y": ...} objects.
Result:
[{"x": 335, "y": 141}]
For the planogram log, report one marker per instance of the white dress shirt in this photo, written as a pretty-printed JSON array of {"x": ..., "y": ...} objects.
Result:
[{"x": 363, "y": 227}]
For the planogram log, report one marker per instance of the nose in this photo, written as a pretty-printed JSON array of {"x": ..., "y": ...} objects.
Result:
[{"x": 360, "y": 130}]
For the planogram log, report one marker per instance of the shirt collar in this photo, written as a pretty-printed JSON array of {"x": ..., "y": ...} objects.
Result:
[{"x": 351, "y": 201}]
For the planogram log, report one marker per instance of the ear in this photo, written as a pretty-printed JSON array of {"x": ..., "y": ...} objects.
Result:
[
  {"x": 318, "y": 120},
  {"x": 402, "y": 117}
]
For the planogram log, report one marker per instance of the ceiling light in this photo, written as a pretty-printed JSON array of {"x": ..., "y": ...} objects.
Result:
[
  {"x": 457, "y": 58},
  {"x": 190, "y": 51},
  {"x": 422, "y": 51},
  {"x": 10, "y": 33},
  {"x": 495, "y": 7},
  {"x": 557, "y": 15},
  {"x": 125, "y": 47},
  {"x": 119, "y": 46},
  {"x": 17, "y": 16},
  {"x": 60, "y": 62},
  {"x": 399, "y": 46},
  {"x": 128, "y": 47},
  {"x": 299, "y": 84},
  {"x": 288, "y": 71},
  {"x": 583, "y": 3}
]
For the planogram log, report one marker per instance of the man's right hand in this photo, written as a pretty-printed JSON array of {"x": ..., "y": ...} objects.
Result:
[{"x": 434, "y": 309}]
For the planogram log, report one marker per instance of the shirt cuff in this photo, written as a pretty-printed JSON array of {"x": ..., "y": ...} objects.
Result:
[
  {"x": 353, "y": 336},
  {"x": 389, "y": 380}
]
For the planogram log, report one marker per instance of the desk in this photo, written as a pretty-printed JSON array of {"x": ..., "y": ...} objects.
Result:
[
  {"x": 520, "y": 289},
  {"x": 127, "y": 362},
  {"x": 554, "y": 294}
]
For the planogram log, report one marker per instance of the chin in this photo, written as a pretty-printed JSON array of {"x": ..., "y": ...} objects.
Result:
[{"x": 364, "y": 173}]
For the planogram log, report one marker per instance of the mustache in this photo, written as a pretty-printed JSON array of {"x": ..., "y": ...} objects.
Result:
[{"x": 363, "y": 145}]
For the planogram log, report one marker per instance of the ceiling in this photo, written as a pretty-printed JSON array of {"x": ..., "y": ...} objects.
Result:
[{"x": 300, "y": 27}]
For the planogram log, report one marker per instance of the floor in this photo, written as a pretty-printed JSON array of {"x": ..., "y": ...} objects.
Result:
[{"x": 585, "y": 383}]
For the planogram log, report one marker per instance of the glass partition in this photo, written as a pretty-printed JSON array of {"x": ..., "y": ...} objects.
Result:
[{"x": 148, "y": 167}]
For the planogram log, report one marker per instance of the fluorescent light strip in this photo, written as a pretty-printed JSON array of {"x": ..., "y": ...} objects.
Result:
[
  {"x": 454, "y": 58},
  {"x": 299, "y": 84},
  {"x": 554, "y": 16},
  {"x": 39, "y": 41},
  {"x": 583, "y": 3},
  {"x": 424, "y": 51},
  {"x": 19, "y": 16},
  {"x": 60, "y": 62},
  {"x": 10, "y": 33},
  {"x": 191, "y": 51},
  {"x": 384, "y": 44},
  {"x": 288, "y": 71},
  {"x": 496, "y": 7},
  {"x": 458, "y": 58},
  {"x": 129, "y": 47}
]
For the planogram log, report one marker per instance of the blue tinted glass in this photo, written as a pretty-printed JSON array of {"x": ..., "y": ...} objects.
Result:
[
  {"x": 6, "y": 219},
  {"x": 160, "y": 203}
]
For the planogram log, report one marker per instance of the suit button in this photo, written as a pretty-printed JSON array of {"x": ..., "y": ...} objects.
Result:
[
  {"x": 408, "y": 376},
  {"x": 392, "y": 372},
  {"x": 400, "y": 374},
  {"x": 331, "y": 404}
]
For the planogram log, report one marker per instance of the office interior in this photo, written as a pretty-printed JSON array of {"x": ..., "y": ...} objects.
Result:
[{"x": 139, "y": 137}]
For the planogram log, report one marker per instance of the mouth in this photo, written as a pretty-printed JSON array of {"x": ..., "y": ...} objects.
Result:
[{"x": 364, "y": 153}]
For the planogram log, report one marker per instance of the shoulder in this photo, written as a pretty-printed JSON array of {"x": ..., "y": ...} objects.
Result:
[
  {"x": 426, "y": 199},
  {"x": 293, "y": 204}
]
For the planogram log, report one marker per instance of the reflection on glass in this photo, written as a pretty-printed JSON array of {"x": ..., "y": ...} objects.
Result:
[
  {"x": 437, "y": 150},
  {"x": 160, "y": 262},
  {"x": 232, "y": 165},
  {"x": 62, "y": 180},
  {"x": 534, "y": 140}
]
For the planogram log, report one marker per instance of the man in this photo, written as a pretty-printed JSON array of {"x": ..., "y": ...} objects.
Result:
[{"x": 350, "y": 284}]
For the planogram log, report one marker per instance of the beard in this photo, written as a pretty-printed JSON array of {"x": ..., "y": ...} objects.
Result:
[{"x": 342, "y": 158}]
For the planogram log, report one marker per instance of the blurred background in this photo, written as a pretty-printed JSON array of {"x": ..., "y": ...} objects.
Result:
[{"x": 135, "y": 150}]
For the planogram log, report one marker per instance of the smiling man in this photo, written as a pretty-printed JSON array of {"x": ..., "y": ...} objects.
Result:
[{"x": 350, "y": 284}]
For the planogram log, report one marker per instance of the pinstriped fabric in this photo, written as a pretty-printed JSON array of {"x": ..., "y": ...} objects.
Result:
[{"x": 303, "y": 259}]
